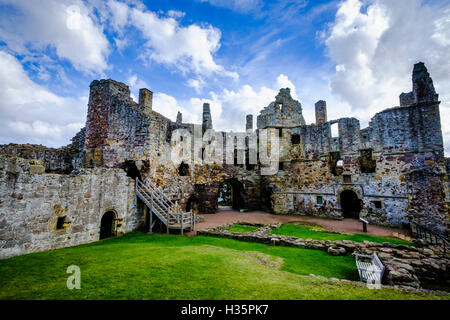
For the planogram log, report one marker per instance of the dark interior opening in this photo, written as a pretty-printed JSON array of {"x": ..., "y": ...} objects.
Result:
[
  {"x": 107, "y": 225},
  {"x": 377, "y": 204},
  {"x": 350, "y": 204},
  {"x": 183, "y": 169},
  {"x": 131, "y": 169},
  {"x": 60, "y": 223},
  {"x": 192, "y": 204},
  {"x": 295, "y": 139}
]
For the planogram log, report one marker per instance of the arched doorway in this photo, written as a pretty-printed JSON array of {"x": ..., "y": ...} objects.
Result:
[
  {"x": 107, "y": 225},
  {"x": 231, "y": 194},
  {"x": 350, "y": 204}
]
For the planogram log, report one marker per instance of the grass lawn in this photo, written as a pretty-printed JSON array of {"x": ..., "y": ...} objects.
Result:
[
  {"x": 142, "y": 266},
  {"x": 307, "y": 232},
  {"x": 242, "y": 228}
]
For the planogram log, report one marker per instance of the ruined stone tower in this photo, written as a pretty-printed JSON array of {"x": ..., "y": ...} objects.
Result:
[
  {"x": 249, "y": 122},
  {"x": 207, "y": 121},
  {"x": 321, "y": 112},
  {"x": 179, "y": 118},
  {"x": 145, "y": 100}
]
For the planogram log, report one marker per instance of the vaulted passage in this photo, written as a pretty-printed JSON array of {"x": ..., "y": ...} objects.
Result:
[
  {"x": 350, "y": 204},
  {"x": 107, "y": 225}
]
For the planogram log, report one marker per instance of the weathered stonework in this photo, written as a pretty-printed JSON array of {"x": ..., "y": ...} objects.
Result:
[
  {"x": 31, "y": 203},
  {"x": 379, "y": 173},
  {"x": 387, "y": 166}
]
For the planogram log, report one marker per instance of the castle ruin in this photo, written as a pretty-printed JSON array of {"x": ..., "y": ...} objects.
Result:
[{"x": 390, "y": 173}]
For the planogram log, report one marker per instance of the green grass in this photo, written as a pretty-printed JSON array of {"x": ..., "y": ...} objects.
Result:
[
  {"x": 242, "y": 228},
  {"x": 142, "y": 266},
  {"x": 307, "y": 232}
]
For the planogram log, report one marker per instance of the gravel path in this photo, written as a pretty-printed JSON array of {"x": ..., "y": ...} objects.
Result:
[{"x": 346, "y": 225}]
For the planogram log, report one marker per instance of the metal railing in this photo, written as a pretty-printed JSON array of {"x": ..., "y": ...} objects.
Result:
[
  {"x": 421, "y": 232},
  {"x": 165, "y": 209}
]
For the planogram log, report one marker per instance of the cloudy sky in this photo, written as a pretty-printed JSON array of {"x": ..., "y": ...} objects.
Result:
[{"x": 355, "y": 54}]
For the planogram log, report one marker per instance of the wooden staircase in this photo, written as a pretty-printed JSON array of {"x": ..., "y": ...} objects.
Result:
[{"x": 162, "y": 207}]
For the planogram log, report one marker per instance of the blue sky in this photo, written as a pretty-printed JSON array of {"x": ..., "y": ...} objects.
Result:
[{"x": 235, "y": 54}]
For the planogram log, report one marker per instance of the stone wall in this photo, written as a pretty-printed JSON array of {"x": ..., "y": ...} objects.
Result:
[
  {"x": 31, "y": 203},
  {"x": 53, "y": 160},
  {"x": 131, "y": 135},
  {"x": 387, "y": 165}
]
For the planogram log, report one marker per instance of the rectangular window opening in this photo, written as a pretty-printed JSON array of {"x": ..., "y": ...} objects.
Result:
[
  {"x": 60, "y": 223},
  {"x": 319, "y": 200},
  {"x": 378, "y": 204},
  {"x": 347, "y": 178},
  {"x": 295, "y": 139}
]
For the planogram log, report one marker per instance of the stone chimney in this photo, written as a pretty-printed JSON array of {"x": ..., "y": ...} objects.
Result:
[
  {"x": 249, "y": 123},
  {"x": 145, "y": 99},
  {"x": 207, "y": 121},
  {"x": 321, "y": 112},
  {"x": 179, "y": 118}
]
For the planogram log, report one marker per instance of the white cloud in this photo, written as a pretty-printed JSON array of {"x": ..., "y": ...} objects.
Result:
[
  {"x": 197, "y": 84},
  {"x": 242, "y": 6},
  {"x": 186, "y": 48},
  {"x": 67, "y": 26},
  {"x": 29, "y": 113},
  {"x": 375, "y": 44},
  {"x": 135, "y": 84}
]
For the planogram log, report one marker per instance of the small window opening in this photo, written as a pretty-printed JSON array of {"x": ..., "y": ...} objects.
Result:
[
  {"x": 335, "y": 130},
  {"x": 378, "y": 204},
  {"x": 319, "y": 200},
  {"x": 366, "y": 162},
  {"x": 295, "y": 139},
  {"x": 347, "y": 178},
  {"x": 281, "y": 166},
  {"x": 183, "y": 170},
  {"x": 60, "y": 223}
]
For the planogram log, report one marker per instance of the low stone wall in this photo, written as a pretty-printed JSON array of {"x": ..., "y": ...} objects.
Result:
[
  {"x": 406, "y": 266},
  {"x": 31, "y": 202}
]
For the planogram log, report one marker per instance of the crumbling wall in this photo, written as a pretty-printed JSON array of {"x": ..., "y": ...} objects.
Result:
[
  {"x": 52, "y": 160},
  {"x": 31, "y": 203}
]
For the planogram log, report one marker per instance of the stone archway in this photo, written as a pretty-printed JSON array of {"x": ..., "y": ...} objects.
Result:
[
  {"x": 108, "y": 225},
  {"x": 350, "y": 204},
  {"x": 231, "y": 193}
]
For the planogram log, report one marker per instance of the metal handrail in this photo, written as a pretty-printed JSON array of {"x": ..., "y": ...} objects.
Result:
[
  {"x": 432, "y": 237},
  {"x": 168, "y": 211}
]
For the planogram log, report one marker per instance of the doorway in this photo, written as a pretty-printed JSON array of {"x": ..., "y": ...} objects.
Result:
[
  {"x": 107, "y": 225},
  {"x": 350, "y": 204},
  {"x": 231, "y": 194}
]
